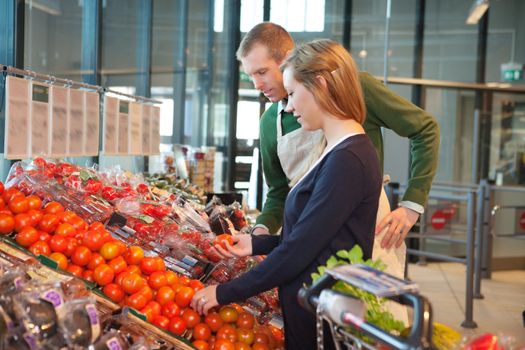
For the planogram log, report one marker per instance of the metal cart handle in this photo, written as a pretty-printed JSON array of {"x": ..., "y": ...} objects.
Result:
[{"x": 420, "y": 336}]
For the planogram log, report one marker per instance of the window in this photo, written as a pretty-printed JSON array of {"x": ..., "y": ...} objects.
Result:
[{"x": 299, "y": 15}]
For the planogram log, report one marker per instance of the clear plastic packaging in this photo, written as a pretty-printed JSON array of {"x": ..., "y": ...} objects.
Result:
[{"x": 81, "y": 324}]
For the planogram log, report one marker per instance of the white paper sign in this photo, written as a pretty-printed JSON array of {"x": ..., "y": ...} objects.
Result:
[
  {"x": 16, "y": 140},
  {"x": 135, "y": 131},
  {"x": 155, "y": 131},
  {"x": 59, "y": 121},
  {"x": 123, "y": 128},
  {"x": 76, "y": 123},
  {"x": 40, "y": 120},
  {"x": 111, "y": 114},
  {"x": 91, "y": 133},
  {"x": 146, "y": 117}
]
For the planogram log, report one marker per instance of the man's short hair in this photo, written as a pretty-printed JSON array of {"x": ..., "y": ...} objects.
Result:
[{"x": 273, "y": 36}]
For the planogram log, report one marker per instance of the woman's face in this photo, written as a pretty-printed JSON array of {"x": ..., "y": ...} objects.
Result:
[{"x": 302, "y": 102}]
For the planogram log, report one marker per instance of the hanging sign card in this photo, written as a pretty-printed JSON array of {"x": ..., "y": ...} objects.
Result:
[
  {"x": 91, "y": 133},
  {"x": 123, "y": 128},
  {"x": 135, "y": 131},
  {"x": 111, "y": 107},
  {"x": 59, "y": 121},
  {"x": 146, "y": 116},
  {"x": 40, "y": 120},
  {"x": 76, "y": 123},
  {"x": 17, "y": 118},
  {"x": 155, "y": 131}
]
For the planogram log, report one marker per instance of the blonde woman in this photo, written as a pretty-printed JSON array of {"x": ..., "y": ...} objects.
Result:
[{"x": 333, "y": 205}]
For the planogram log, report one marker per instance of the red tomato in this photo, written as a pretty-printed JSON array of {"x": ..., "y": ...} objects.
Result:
[
  {"x": 155, "y": 307},
  {"x": 19, "y": 205},
  {"x": 97, "y": 226},
  {"x": 49, "y": 223},
  {"x": 34, "y": 202},
  {"x": 177, "y": 326},
  {"x": 202, "y": 331},
  {"x": 93, "y": 186},
  {"x": 1, "y": 188},
  {"x": 223, "y": 344},
  {"x": 184, "y": 280},
  {"x": 171, "y": 277},
  {"x": 148, "y": 265},
  {"x": 191, "y": 318},
  {"x": 114, "y": 292},
  {"x": 93, "y": 239},
  {"x": 184, "y": 296},
  {"x": 44, "y": 236},
  {"x": 228, "y": 314},
  {"x": 67, "y": 216},
  {"x": 109, "y": 193},
  {"x": 245, "y": 320},
  {"x": 96, "y": 259},
  {"x": 260, "y": 346},
  {"x": 227, "y": 332},
  {"x": 7, "y": 223},
  {"x": 60, "y": 259},
  {"x": 157, "y": 279},
  {"x": 214, "y": 321},
  {"x": 147, "y": 292},
  {"x": 103, "y": 274},
  {"x": 53, "y": 208},
  {"x": 196, "y": 285},
  {"x": 166, "y": 294},
  {"x": 161, "y": 322},
  {"x": 35, "y": 215},
  {"x": 136, "y": 301},
  {"x": 132, "y": 283},
  {"x": 27, "y": 236},
  {"x": 224, "y": 239},
  {"x": 11, "y": 193},
  {"x": 40, "y": 248},
  {"x": 21, "y": 221},
  {"x": 88, "y": 275},
  {"x": 79, "y": 224},
  {"x": 58, "y": 244},
  {"x": 245, "y": 336},
  {"x": 81, "y": 256},
  {"x": 134, "y": 255},
  {"x": 2, "y": 203},
  {"x": 171, "y": 309},
  {"x": 109, "y": 250},
  {"x": 65, "y": 229},
  {"x": 118, "y": 264},
  {"x": 133, "y": 269},
  {"x": 75, "y": 270},
  {"x": 71, "y": 246}
]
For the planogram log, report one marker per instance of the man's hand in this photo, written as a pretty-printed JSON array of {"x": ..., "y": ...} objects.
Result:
[
  {"x": 260, "y": 230},
  {"x": 242, "y": 246},
  {"x": 399, "y": 222},
  {"x": 204, "y": 300}
]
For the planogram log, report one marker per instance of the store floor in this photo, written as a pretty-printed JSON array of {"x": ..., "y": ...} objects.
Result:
[{"x": 500, "y": 311}]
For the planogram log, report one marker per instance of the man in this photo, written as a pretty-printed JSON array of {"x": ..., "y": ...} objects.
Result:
[{"x": 285, "y": 146}]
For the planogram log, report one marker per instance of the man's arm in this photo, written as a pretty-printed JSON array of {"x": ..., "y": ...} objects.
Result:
[{"x": 272, "y": 213}]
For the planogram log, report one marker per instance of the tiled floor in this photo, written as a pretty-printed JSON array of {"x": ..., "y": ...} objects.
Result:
[{"x": 500, "y": 311}]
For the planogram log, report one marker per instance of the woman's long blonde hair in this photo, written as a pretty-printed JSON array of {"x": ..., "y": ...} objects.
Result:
[{"x": 342, "y": 97}]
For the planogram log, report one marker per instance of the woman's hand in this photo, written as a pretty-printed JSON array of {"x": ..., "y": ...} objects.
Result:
[
  {"x": 204, "y": 300},
  {"x": 242, "y": 246}
]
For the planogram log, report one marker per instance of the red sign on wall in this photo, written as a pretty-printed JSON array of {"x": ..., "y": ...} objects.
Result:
[{"x": 438, "y": 219}]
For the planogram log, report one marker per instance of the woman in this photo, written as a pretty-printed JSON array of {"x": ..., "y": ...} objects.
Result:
[{"x": 331, "y": 207}]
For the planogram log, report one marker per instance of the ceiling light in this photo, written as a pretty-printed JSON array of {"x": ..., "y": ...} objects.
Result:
[{"x": 478, "y": 9}]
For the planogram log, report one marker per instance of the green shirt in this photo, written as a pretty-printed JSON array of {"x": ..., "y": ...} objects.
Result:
[{"x": 384, "y": 109}]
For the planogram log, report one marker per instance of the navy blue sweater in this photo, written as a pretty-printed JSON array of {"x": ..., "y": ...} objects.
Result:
[{"x": 334, "y": 207}]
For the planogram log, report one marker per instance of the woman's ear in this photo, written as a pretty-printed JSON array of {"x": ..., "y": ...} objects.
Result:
[{"x": 322, "y": 81}]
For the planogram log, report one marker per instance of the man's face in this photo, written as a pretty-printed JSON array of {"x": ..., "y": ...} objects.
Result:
[{"x": 264, "y": 72}]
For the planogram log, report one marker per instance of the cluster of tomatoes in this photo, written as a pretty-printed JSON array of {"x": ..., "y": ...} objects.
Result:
[{"x": 233, "y": 328}]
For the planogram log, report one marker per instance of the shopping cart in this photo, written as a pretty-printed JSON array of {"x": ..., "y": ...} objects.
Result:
[{"x": 344, "y": 314}]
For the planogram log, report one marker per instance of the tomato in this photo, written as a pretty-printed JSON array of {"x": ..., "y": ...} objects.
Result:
[
  {"x": 191, "y": 317},
  {"x": 118, "y": 264},
  {"x": 7, "y": 223},
  {"x": 214, "y": 321},
  {"x": 184, "y": 296},
  {"x": 228, "y": 314},
  {"x": 134, "y": 255},
  {"x": 201, "y": 344},
  {"x": 67, "y": 216},
  {"x": 161, "y": 322},
  {"x": 96, "y": 259},
  {"x": 44, "y": 236},
  {"x": 133, "y": 269},
  {"x": 19, "y": 205},
  {"x": 245, "y": 335},
  {"x": 27, "y": 236},
  {"x": 196, "y": 285},
  {"x": 166, "y": 294},
  {"x": 35, "y": 215},
  {"x": 71, "y": 246},
  {"x": 49, "y": 223},
  {"x": 53, "y": 208},
  {"x": 58, "y": 244},
  {"x": 109, "y": 250},
  {"x": 156, "y": 307},
  {"x": 65, "y": 229},
  {"x": 132, "y": 283},
  {"x": 177, "y": 326},
  {"x": 93, "y": 186},
  {"x": 157, "y": 279},
  {"x": 160, "y": 211},
  {"x": 1, "y": 187},
  {"x": 79, "y": 224},
  {"x": 227, "y": 332},
  {"x": 109, "y": 193},
  {"x": 75, "y": 270},
  {"x": 97, "y": 226},
  {"x": 21, "y": 221},
  {"x": 260, "y": 346},
  {"x": 11, "y": 193},
  {"x": 34, "y": 202},
  {"x": 277, "y": 335},
  {"x": 171, "y": 309},
  {"x": 223, "y": 344},
  {"x": 201, "y": 331},
  {"x": 60, "y": 259},
  {"x": 147, "y": 292},
  {"x": 88, "y": 275},
  {"x": 223, "y": 239},
  {"x": 260, "y": 337},
  {"x": 136, "y": 301},
  {"x": 103, "y": 274},
  {"x": 171, "y": 277},
  {"x": 93, "y": 240},
  {"x": 149, "y": 264},
  {"x": 245, "y": 320},
  {"x": 114, "y": 292},
  {"x": 82, "y": 256},
  {"x": 40, "y": 248},
  {"x": 2, "y": 203},
  {"x": 148, "y": 312},
  {"x": 242, "y": 346},
  {"x": 184, "y": 280}
]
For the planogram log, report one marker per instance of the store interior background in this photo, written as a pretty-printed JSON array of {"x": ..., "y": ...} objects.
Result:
[{"x": 182, "y": 53}]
